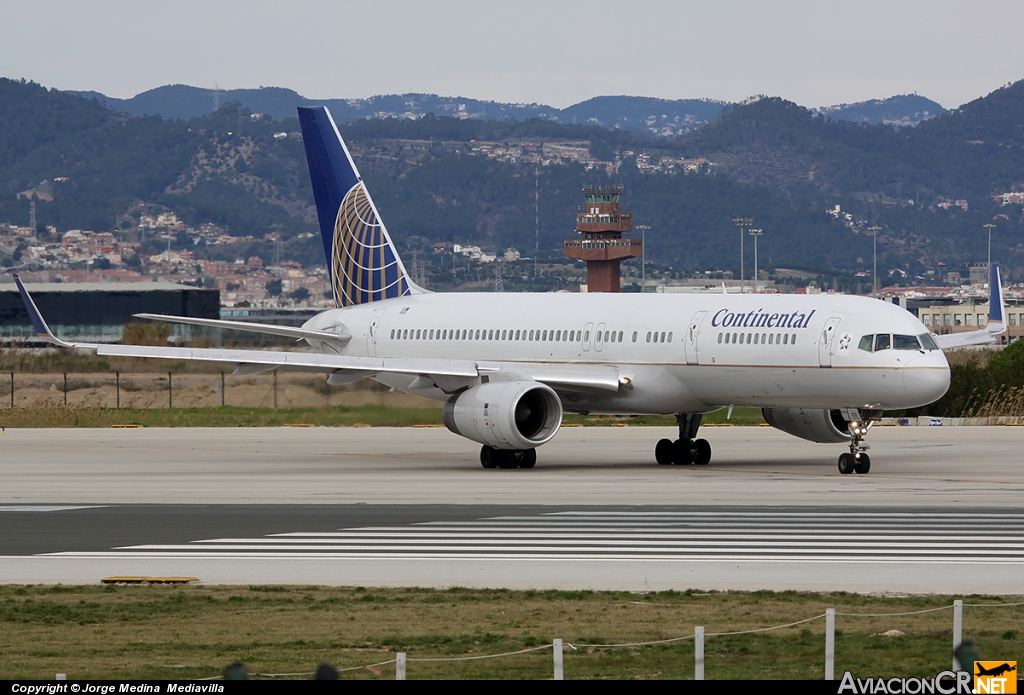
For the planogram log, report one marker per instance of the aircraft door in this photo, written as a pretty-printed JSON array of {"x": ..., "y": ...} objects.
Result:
[
  {"x": 599, "y": 337},
  {"x": 371, "y": 334},
  {"x": 692, "y": 332},
  {"x": 587, "y": 330},
  {"x": 827, "y": 340}
]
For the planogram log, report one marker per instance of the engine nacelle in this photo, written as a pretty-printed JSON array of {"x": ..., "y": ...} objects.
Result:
[
  {"x": 505, "y": 415},
  {"x": 821, "y": 426}
]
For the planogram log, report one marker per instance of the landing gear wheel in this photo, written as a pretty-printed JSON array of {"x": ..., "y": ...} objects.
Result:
[
  {"x": 846, "y": 464},
  {"x": 663, "y": 452},
  {"x": 528, "y": 459},
  {"x": 701, "y": 452},
  {"x": 681, "y": 453},
  {"x": 862, "y": 464},
  {"x": 489, "y": 457},
  {"x": 507, "y": 458}
]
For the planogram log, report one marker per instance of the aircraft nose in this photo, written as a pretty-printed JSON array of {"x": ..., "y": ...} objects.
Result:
[{"x": 926, "y": 378}]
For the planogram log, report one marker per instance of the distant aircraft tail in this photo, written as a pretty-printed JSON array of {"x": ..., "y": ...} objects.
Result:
[
  {"x": 996, "y": 304},
  {"x": 361, "y": 258}
]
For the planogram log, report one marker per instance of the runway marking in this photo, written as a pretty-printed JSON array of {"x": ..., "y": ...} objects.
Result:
[
  {"x": 743, "y": 536},
  {"x": 45, "y": 507}
]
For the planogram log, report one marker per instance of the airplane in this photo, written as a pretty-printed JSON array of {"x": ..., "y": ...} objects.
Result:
[
  {"x": 507, "y": 366},
  {"x": 995, "y": 670},
  {"x": 996, "y": 324}
]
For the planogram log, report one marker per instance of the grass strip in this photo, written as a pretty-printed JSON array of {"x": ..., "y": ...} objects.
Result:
[{"x": 194, "y": 631}]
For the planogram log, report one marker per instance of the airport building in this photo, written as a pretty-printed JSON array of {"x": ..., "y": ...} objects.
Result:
[{"x": 97, "y": 312}]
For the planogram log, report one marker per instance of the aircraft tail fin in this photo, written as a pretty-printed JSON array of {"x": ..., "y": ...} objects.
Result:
[
  {"x": 361, "y": 258},
  {"x": 996, "y": 304}
]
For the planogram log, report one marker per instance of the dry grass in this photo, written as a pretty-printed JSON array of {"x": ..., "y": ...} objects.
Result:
[
  {"x": 171, "y": 632},
  {"x": 1002, "y": 401}
]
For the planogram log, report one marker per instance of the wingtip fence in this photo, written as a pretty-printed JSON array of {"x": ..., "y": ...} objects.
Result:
[{"x": 401, "y": 658}]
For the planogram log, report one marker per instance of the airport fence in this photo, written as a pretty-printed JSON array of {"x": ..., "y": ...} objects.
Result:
[
  {"x": 699, "y": 637},
  {"x": 146, "y": 390}
]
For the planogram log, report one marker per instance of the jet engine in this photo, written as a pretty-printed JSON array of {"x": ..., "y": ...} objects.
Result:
[
  {"x": 505, "y": 415},
  {"x": 821, "y": 426}
]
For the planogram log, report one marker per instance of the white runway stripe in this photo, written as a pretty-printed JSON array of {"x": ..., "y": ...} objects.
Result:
[{"x": 761, "y": 536}]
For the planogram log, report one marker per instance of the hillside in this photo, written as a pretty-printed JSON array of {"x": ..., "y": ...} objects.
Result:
[
  {"x": 907, "y": 180},
  {"x": 473, "y": 181}
]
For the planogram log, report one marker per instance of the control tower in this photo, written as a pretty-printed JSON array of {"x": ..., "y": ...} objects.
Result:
[{"x": 601, "y": 225}]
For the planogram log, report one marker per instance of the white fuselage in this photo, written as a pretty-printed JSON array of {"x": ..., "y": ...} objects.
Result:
[{"x": 684, "y": 353}]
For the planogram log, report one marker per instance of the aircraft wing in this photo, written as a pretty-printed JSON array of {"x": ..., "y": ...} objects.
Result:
[
  {"x": 449, "y": 375},
  {"x": 957, "y": 340}
]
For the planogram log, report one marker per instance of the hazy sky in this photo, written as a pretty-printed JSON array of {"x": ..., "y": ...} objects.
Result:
[{"x": 557, "y": 53}]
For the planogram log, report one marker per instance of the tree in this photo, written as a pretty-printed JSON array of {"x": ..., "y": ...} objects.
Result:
[{"x": 274, "y": 287}]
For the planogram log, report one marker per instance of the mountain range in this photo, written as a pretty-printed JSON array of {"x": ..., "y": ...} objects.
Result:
[
  {"x": 929, "y": 189},
  {"x": 639, "y": 115}
]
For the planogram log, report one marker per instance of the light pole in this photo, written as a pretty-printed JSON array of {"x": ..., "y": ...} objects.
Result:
[
  {"x": 755, "y": 233},
  {"x": 989, "y": 227},
  {"x": 874, "y": 260},
  {"x": 643, "y": 250},
  {"x": 741, "y": 222}
]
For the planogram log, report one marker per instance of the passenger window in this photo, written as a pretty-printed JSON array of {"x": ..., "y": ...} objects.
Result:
[
  {"x": 648, "y": 336},
  {"x": 881, "y": 342},
  {"x": 620, "y": 336},
  {"x": 719, "y": 337},
  {"x": 431, "y": 333},
  {"x": 490, "y": 335},
  {"x": 417, "y": 334},
  {"x": 771, "y": 339},
  {"x": 478, "y": 335},
  {"x": 792, "y": 341},
  {"x": 634, "y": 336},
  {"x": 756, "y": 339},
  {"x": 517, "y": 336},
  {"x": 785, "y": 339},
  {"x": 586, "y": 336},
  {"x": 866, "y": 342}
]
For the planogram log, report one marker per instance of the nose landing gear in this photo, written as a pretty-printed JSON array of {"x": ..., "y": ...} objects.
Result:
[
  {"x": 858, "y": 460},
  {"x": 686, "y": 450}
]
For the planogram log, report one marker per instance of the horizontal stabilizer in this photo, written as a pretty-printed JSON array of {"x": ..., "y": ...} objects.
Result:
[{"x": 340, "y": 339}]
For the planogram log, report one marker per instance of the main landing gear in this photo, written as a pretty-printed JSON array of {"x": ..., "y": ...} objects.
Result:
[
  {"x": 686, "y": 450},
  {"x": 857, "y": 460},
  {"x": 507, "y": 458}
]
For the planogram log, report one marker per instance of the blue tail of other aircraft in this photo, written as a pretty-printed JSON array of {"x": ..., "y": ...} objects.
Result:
[{"x": 361, "y": 258}]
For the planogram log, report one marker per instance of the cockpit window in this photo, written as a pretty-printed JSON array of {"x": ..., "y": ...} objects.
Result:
[
  {"x": 905, "y": 342},
  {"x": 928, "y": 341},
  {"x": 881, "y": 342},
  {"x": 866, "y": 342}
]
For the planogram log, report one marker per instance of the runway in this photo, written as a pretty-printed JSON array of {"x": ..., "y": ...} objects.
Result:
[{"x": 276, "y": 506}]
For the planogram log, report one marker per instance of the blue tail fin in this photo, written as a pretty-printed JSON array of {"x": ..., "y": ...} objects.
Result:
[
  {"x": 361, "y": 257},
  {"x": 996, "y": 303}
]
